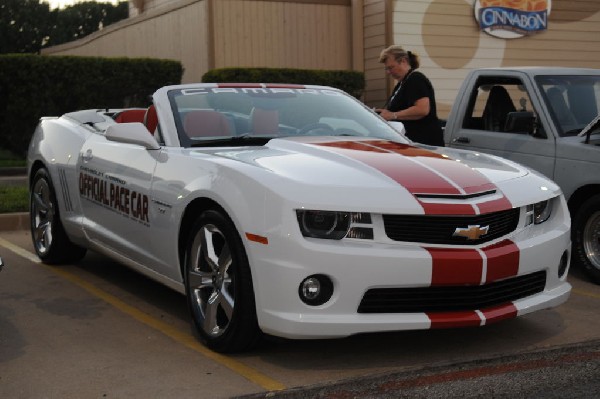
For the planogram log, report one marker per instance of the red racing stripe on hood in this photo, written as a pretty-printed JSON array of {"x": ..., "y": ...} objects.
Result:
[{"x": 422, "y": 171}]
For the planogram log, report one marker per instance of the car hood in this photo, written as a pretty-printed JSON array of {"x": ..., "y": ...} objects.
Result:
[{"x": 342, "y": 161}]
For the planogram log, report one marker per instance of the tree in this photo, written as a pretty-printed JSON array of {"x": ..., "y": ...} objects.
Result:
[
  {"x": 26, "y": 26},
  {"x": 81, "y": 19}
]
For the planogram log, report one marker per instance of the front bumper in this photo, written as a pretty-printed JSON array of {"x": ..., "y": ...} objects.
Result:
[{"x": 355, "y": 266}]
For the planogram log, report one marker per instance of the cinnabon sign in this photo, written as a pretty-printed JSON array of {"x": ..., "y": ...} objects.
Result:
[{"x": 510, "y": 19}]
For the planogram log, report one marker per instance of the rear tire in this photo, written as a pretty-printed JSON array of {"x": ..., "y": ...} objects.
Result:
[
  {"x": 219, "y": 285},
  {"x": 586, "y": 237},
  {"x": 47, "y": 233}
]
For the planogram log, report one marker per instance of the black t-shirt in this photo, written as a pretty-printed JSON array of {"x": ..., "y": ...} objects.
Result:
[{"x": 427, "y": 130}]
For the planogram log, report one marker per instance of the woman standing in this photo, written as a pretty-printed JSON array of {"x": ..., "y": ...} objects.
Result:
[{"x": 413, "y": 99}]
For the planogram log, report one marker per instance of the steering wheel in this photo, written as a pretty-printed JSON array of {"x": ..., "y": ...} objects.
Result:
[{"x": 314, "y": 126}]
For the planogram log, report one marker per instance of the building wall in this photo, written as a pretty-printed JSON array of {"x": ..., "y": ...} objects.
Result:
[
  {"x": 376, "y": 34},
  {"x": 342, "y": 34},
  {"x": 446, "y": 36},
  {"x": 153, "y": 34},
  {"x": 295, "y": 34},
  {"x": 206, "y": 34}
]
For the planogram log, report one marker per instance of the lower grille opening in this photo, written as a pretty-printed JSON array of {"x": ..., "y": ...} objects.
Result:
[{"x": 454, "y": 298}]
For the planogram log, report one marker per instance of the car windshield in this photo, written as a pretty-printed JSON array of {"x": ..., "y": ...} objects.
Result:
[
  {"x": 574, "y": 101},
  {"x": 253, "y": 115}
]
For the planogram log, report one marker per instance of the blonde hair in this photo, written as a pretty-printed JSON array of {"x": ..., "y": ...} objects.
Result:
[{"x": 398, "y": 53}]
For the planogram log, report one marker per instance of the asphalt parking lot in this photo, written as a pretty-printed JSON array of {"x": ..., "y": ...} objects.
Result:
[{"x": 97, "y": 329}]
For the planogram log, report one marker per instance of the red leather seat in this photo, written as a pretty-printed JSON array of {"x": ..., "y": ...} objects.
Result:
[
  {"x": 130, "y": 115},
  {"x": 206, "y": 123},
  {"x": 151, "y": 119}
]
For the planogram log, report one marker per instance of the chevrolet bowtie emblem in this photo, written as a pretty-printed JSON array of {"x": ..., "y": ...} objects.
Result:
[{"x": 473, "y": 232}]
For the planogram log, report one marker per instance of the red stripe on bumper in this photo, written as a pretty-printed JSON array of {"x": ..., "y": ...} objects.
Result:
[
  {"x": 502, "y": 260},
  {"x": 455, "y": 266},
  {"x": 499, "y": 313},
  {"x": 454, "y": 319},
  {"x": 470, "y": 318}
]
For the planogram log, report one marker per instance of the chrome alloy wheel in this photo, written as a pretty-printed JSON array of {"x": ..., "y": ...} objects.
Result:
[
  {"x": 210, "y": 282},
  {"x": 591, "y": 239},
  {"x": 42, "y": 215}
]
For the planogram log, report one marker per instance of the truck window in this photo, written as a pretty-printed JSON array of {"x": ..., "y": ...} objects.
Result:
[
  {"x": 499, "y": 106},
  {"x": 573, "y": 101}
]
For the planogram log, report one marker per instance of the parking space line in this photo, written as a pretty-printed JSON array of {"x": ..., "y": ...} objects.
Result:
[
  {"x": 186, "y": 339},
  {"x": 586, "y": 293}
]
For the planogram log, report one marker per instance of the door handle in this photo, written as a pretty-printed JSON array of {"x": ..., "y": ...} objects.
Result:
[{"x": 462, "y": 140}]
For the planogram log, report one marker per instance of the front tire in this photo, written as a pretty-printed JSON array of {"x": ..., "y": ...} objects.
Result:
[
  {"x": 586, "y": 237},
  {"x": 219, "y": 285},
  {"x": 47, "y": 233}
]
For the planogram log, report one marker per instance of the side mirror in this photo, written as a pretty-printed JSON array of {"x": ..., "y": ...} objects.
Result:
[
  {"x": 132, "y": 133},
  {"x": 520, "y": 122}
]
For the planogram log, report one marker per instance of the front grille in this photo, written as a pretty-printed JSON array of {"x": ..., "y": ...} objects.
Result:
[
  {"x": 440, "y": 229},
  {"x": 456, "y": 298}
]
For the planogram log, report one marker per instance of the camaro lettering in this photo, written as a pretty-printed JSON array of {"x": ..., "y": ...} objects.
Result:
[
  {"x": 260, "y": 90},
  {"x": 115, "y": 196}
]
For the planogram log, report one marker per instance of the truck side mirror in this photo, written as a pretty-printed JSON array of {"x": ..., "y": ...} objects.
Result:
[{"x": 520, "y": 122}]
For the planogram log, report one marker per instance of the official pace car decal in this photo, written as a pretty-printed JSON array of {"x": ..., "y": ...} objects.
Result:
[
  {"x": 423, "y": 173},
  {"x": 112, "y": 193}
]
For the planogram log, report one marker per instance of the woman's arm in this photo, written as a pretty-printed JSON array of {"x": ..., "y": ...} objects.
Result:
[{"x": 418, "y": 111}]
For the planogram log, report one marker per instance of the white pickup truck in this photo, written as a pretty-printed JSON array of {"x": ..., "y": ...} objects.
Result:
[{"x": 547, "y": 119}]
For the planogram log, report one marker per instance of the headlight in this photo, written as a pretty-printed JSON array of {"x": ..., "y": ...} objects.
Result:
[
  {"x": 334, "y": 225},
  {"x": 539, "y": 212}
]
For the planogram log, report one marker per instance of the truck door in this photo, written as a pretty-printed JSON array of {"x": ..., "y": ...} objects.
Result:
[{"x": 500, "y": 117}]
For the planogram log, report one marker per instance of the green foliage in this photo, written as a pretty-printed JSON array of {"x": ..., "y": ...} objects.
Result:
[
  {"x": 81, "y": 19},
  {"x": 28, "y": 25},
  {"x": 352, "y": 82},
  {"x": 14, "y": 199},
  {"x": 8, "y": 159},
  {"x": 32, "y": 86},
  {"x": 23, "y": 25}
]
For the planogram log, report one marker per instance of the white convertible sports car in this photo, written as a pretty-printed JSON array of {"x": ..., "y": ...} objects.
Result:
[{"x": 298, "y": 212}]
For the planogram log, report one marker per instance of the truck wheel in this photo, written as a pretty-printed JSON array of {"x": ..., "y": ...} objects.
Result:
[
  {"x": 586, "y": 237},
  {"x": 218, "y": 285},
  {"x": 49, "y": 238}
]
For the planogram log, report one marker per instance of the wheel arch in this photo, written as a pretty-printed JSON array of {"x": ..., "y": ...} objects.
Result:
[
  {"x": 188, "y": 219},
  {"x": 35, "y": 166},
  {"x": 580, "y": 195}
]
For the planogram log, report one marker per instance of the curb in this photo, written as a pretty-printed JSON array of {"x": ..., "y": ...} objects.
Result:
[
  {"x": 14, "y": 221},
  {"x": 13, "y": 171}
]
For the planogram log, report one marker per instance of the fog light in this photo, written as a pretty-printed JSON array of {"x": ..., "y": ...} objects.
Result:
[
  {"x": 315, "y": 290},
  {"x": 564, "y": 262}
]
